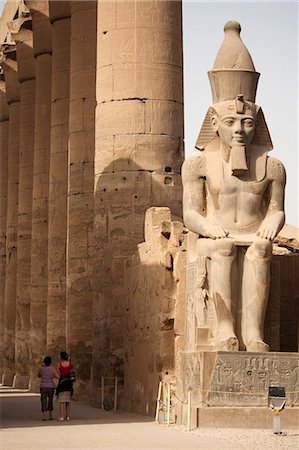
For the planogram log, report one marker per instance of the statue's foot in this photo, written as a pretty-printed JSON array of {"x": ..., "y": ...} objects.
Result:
[
  {"x": 257, "y": 347},
  {"x": 228, "y": 345}
]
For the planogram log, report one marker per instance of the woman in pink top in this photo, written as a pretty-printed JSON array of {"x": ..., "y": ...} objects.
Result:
[{"x": 47, "y": 373}]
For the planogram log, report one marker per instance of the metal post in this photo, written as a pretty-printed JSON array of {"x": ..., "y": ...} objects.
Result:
[
  {"x": 189, "y": 410},
  {"x": 158, "y": 401},
  {"x": 168, "y": 404},
  {"x": 276, "y": 423},
  {"x": 115, "y": 393},
  {"x": 102, "y": 392}
]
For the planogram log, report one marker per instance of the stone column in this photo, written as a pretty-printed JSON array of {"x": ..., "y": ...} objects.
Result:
[
  {"x": 3, "y": 205},
  {"x": 139, "y": 151},
  {"x": 13, "y": 100},
  {"x": 26, "y": 73},
  {"x": 42, "y": 45},
  {"x": 80, "y": 188},
  {"x": 59, "y": 13}
]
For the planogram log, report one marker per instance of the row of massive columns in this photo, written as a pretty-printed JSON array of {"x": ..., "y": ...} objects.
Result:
[{"x": 91, "y": 136}]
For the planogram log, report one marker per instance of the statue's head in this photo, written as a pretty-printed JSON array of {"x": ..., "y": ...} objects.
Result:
[
  {"x": 234, "y": 121},
  {"x": 234, "y": 117}
]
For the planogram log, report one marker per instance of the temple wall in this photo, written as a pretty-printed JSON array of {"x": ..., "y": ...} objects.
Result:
[{"x": 154, "y": 305}]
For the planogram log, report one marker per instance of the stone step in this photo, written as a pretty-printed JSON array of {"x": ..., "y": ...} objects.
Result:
[{"x": 204, "y": 347}]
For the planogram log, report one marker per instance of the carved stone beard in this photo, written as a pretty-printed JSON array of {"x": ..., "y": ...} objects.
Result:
[
  {"x": 238, "y": 160},
  {"x": 236, "y": 157}
]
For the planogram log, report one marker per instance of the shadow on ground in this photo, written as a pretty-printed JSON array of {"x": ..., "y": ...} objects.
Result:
[{"x": 20, "y": 408}]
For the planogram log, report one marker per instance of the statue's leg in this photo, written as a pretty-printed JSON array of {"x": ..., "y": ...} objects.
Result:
[
  {"x": 255, "y": 291},
  {"x": 222, "y": 253}
]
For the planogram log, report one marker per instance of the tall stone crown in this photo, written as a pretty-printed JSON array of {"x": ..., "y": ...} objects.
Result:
[
  {"x": 233, "y": 72},
  {"x": 233, "y": 82}
]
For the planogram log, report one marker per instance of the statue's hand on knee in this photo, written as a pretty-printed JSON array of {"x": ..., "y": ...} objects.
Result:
[
  {"x": 212, "y": 231},
  {"x": 271, "y": 226}
]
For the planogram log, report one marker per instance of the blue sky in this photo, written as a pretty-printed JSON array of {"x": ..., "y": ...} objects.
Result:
[{"x": 270, "y": 32}]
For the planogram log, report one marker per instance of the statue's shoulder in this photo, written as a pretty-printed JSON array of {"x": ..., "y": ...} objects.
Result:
[
  {"x": 194, "y": 168},
  {"x": 275, "y": 169}
]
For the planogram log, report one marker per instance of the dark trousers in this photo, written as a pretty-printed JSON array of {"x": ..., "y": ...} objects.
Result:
[{"x": 46, "y": 397}]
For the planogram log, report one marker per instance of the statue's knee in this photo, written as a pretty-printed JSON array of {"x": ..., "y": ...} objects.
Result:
[
  {"x": 225, "y": 247},
  {"x": 262, "y": 248}
]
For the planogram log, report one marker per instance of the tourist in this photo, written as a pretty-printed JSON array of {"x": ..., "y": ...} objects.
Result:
[
  {"x": 64, "y": 390},
  {"x": 47, "y": 373}
]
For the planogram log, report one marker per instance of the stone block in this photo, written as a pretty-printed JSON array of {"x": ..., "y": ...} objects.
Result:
[
  {"x": 164, "y": 117},
  {"x": 130, "y": 114},
  {"x": 40, "y": 186},
  {"x": 81, "y": 146},
  {"x": 167, "y": 190},
  {"x": 105, "y": 82},
  {"x": 168, "y": 48},
  {"x": 153, "y": 219},
  {"x": 105, "y": 50},
  {"x": 60, "y": 112},
  {"x": 78, "y": 243},
  {"x": 106, "y": 16}
]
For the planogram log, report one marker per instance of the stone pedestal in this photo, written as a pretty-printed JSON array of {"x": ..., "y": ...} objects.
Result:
[{"x": 235, "y": 379}]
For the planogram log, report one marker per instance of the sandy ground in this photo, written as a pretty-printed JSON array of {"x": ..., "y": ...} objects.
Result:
[{"x": 91, "y": 428}]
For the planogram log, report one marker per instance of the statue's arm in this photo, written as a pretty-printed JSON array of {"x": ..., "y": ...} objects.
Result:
[
  {"x": 194, "y": 199},
  {"x": 275, "y": 216}
]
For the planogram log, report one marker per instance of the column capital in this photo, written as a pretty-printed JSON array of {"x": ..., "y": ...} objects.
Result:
[
  {"x": 41, "y": 27},
  {"x": 59, "y": 10},
  {"x": 10, "y": 70},
  {"x": 23, "y": 37},
  {"x": 3, "y": 100},
  {"x": 22, "y": 19},
  {"x": 77, "y": 6}
]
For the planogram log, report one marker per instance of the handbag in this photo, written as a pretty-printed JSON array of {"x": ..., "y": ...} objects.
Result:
[{"x": 73, "y": 377}]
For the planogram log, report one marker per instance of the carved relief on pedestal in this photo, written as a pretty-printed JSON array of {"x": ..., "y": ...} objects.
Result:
[{"x": 245, "y": 380}]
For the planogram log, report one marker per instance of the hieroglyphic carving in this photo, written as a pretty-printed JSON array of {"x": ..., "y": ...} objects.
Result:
[{"x": 245, "y": 380}]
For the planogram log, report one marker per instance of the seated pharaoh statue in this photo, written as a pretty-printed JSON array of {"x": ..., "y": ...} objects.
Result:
[{"x": 234, "y": 199}]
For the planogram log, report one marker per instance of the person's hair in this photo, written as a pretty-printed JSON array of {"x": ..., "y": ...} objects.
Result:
[
  {"x": 64, "y": 356},
  {"x": 47, "y": 360}
]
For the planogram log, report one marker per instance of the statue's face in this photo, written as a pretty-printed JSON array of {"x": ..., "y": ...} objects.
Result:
[{"x": 234, "y": 129}]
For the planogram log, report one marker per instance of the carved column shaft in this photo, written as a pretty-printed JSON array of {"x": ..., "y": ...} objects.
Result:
[
  {"x": 26, "y": 73},
  {"x": 13, "y": 100},
  {"x": 42, "y": 44},
  {"x": 139, "y": 131},
  {"x": 4, "y": 122},
  {"x": 80, "y": 187},
  {"x": 58, "y": 178}
]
